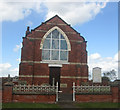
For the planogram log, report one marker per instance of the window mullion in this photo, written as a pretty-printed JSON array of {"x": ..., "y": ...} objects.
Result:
[{"x": 67, "y": 55}]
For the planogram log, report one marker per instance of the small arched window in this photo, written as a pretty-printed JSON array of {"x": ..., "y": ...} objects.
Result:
[{"x": 55, "y": 47}]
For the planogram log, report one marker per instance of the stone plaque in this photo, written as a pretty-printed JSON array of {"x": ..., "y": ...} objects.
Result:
[{"x": 63, "y": 85}]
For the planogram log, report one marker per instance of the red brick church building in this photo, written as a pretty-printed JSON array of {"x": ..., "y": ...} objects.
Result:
[{"x": 53, "y": 52}]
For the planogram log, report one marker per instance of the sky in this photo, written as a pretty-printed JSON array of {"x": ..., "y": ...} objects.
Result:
[{"x": 97, "y": 22}]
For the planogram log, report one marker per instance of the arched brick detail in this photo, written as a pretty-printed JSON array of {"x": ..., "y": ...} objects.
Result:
[{"x": 65, "y": 36}]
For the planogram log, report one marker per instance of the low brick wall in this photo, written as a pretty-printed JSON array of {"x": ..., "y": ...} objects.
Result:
[
  {"x": 112, "y": 96},
  {"x": 94, "y": 98},
  {"x": 119, "y": 96},
  {"x": 0, "y": 96},
  {"x": 34, "y": 98},
  {"x": 9, "y": 96}
]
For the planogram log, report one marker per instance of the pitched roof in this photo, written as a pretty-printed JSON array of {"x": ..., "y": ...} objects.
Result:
[{"x": 56, "y": 19}]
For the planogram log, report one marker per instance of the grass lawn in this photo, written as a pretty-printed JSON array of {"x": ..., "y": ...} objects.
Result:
[
  {"x": 44, "y": 105},
  {"x": 29, "y": 105},
  {"x": 98, "y": 105}
]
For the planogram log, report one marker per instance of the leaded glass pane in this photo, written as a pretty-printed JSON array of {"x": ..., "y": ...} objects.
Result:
[
  {"x": 55, "y": 44},
  {"x": 63, "y": 55},
  {"x": 55, "y": 34},
  {"x": 55, "y": 55},
  {"x": 49, "y": 36},
  {"x": 46, "y": 44},
  {"x": 61, "y": 36},
  {"x": 63, "y": 45},
  {"x": 46, "y": 54}
]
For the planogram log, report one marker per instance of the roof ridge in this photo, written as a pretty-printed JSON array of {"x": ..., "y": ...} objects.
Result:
[{"x": 60, "y": 19}]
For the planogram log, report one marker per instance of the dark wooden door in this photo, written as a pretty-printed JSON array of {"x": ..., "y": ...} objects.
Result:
[{"x": 54, "y": 75}]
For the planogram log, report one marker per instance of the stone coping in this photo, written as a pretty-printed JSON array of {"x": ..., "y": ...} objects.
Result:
[
  {"x": 109, "y": 93},
  {"x": 34, "y": 93}
]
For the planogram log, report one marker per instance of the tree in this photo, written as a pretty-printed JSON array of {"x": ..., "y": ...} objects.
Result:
[{"x": 110, "y": 74}]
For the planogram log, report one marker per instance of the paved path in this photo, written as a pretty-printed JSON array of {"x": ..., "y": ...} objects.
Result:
[{"x": 67, "y": 105}]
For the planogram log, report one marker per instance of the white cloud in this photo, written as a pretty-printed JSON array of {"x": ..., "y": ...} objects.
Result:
[
  {"x": 117, "y": 56},
  {"x": 17, "y": 47},
  {"x": 75, "y": 12},
  {"x": 106, "y": 63},
  {"x": 6, "y": 68},
  {"x": 72, "y": 12},
  {"x": 119, "y": 69},
  {"x": 60, "y": 1},
  {"x": 14, "y": 11},
  {"x": 94, "y": 56}
]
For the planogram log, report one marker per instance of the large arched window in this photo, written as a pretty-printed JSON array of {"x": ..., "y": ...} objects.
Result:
[{"x": 55, "y": 47}]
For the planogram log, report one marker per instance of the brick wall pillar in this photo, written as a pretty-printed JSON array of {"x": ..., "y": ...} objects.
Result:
[
  {"x": 7, "y": 93},
  {"x": 115, "y": 93}
]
